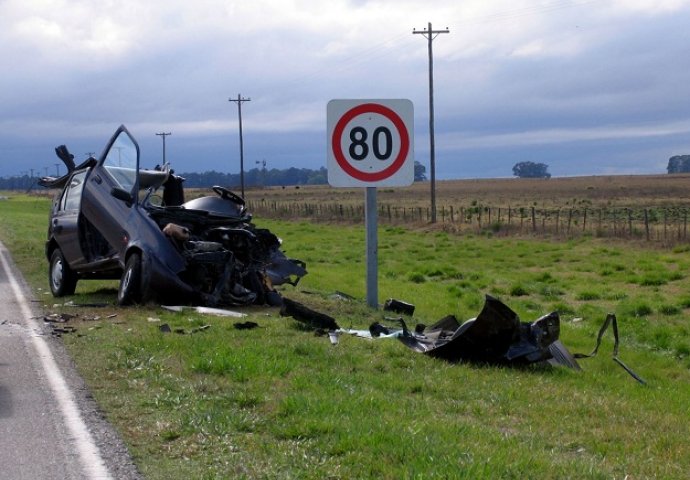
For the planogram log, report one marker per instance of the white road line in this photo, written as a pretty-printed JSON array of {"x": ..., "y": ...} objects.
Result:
[{"x": 89, "y": 455}]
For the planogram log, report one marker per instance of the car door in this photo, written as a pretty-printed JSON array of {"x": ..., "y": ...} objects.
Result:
[
  {"x": 110, "y": 192},
  {"x": 65, "y": 221}
]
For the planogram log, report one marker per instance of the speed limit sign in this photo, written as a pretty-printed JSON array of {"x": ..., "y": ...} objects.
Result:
[{"x": 370, "y": 143}]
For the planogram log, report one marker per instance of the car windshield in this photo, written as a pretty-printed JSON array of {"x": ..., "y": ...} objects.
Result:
[{"x": 121, "y": 161}]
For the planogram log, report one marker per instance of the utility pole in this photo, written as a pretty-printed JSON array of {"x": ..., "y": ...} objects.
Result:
[
  {"x": 239, "y": 101},
  {"x": 163, "y": 135},
  {"x": 430, "y": 34},
  {"x": 57, "y": 169}
]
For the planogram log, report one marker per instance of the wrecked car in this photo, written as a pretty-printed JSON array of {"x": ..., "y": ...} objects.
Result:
[{"x": 113, "y": 219}]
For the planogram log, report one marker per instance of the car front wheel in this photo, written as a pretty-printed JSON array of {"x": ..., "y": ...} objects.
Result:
[
  {"x": 63, "y": 281},
  {"x": 130, "y": 291}
]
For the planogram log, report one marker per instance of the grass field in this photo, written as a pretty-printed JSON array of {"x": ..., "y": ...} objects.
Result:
[{"x": 279, "y": 402}]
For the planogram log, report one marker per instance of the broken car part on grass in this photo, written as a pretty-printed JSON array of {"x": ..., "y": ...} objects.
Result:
[
  {"x": 114, "y": 219},
  {"x": 495, "y": 336}
]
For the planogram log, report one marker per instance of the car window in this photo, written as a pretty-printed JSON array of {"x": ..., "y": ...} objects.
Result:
[
  {"x": 72, "y": 196},
  {"x": 121, "y": 162}
]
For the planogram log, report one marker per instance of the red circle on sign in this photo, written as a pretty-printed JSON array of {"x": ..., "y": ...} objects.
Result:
[{"x": 348, "y": 167}]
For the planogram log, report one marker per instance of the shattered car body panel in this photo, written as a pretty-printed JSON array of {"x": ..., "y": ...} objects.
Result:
[
  {"x": 113, "y": 219},
  {"x": 496, "y": 336}
]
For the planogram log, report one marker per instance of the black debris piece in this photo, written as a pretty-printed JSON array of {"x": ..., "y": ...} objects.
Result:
[
  {"x": 611, "y": 321},
  {"x": 376, "y": 329},
  {"x": 245, "y": 325},
  {"x": 496, "y": 336},
  {"x": 59, "y": 331},
  {"x": 308, "y": 316},
  {"x": 398, "y": 306}
]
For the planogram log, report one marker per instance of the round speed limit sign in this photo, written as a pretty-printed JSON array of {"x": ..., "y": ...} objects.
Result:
[{"x": 370, "y": 143}]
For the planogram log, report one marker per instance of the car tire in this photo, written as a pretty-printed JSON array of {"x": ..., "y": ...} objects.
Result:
[
  {"x": 63, "y": 281},
  {"x": 130, "y": 291}
]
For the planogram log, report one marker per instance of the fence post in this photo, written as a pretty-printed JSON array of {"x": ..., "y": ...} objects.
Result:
[
  {"x": 629, "y": 222},
  {"x": 543, "y": 221},
  {"x": 584, "y": 219},
  {"x": 665, "y": 223},
  {"x": 534, "y": 220},
  {"x": 646, "y": 223},
  {"x": 600, "y": 215},
  {"x": 558, "y": 220}
]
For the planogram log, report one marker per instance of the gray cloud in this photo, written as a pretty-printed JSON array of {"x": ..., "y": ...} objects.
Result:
[{"x": 589, "y": 87}]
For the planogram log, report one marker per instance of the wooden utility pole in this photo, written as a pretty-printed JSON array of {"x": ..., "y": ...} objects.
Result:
[
  {"x": 239, "y": 101},
  {"x": 163, "y": 135},
  {"x": 430, "y": 34}
]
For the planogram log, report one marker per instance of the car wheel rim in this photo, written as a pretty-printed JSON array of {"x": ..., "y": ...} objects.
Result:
[
  {"x": 57, "y": 274},
  {"x": 125, "y": 281}
]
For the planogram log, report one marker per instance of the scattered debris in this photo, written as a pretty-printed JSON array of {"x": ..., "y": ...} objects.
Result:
[
  {"x": 58, "y": 331},
  {"x": 58, "y": 317},
  {"x": 205, "y": 310},
  {"x": 70, "y": 303},
  {"x": 165, "y": 328},
  {"x": 613, "y": 323},
  {"x": 245, "y": 325},
  {"x": 306, "y": 315},
  {"x": 338, "y": 295},
  {"x": 398, "y": 306}
]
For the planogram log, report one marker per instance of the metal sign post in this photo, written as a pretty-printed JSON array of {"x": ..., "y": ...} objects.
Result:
[
  {"x": 372, "y": 245},
  {"x": 370, "y": 145}
]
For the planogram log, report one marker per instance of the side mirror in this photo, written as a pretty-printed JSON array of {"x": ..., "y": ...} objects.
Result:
[{"x": 123, "y": 195}]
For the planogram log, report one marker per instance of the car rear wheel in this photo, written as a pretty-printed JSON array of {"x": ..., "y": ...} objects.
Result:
[
  {"x": 131, "y": 289},
  {"x": 63, "y": 281}
]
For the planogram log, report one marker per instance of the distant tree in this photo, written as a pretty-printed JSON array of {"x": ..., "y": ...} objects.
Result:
[
  {"x": 318, "y": 177},
  {"x": 531, "y": 170},
  {"x": 419, "y": 172},
  {"x": 678, "y": 164}
]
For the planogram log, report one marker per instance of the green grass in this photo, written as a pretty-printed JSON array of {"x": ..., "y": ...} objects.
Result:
[{"x": 279, "y": 402}]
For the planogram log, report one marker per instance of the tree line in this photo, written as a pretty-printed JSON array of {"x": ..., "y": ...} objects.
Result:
[{"x": 259, "y": 177}]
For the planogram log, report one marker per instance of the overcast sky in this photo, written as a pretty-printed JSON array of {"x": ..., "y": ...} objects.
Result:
[{"x": 587, "y": 87}]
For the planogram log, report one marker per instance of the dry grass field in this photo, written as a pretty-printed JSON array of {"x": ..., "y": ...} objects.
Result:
[
  {"x": 596, "y": 191},
  {"x": 651, "y": 208}
]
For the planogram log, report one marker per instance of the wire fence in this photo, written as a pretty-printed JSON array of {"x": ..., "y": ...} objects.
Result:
[{"x": 653, "y": 224}]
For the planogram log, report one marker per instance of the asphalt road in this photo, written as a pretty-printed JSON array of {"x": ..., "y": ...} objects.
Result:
[{"x": 50, "y": 427}]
